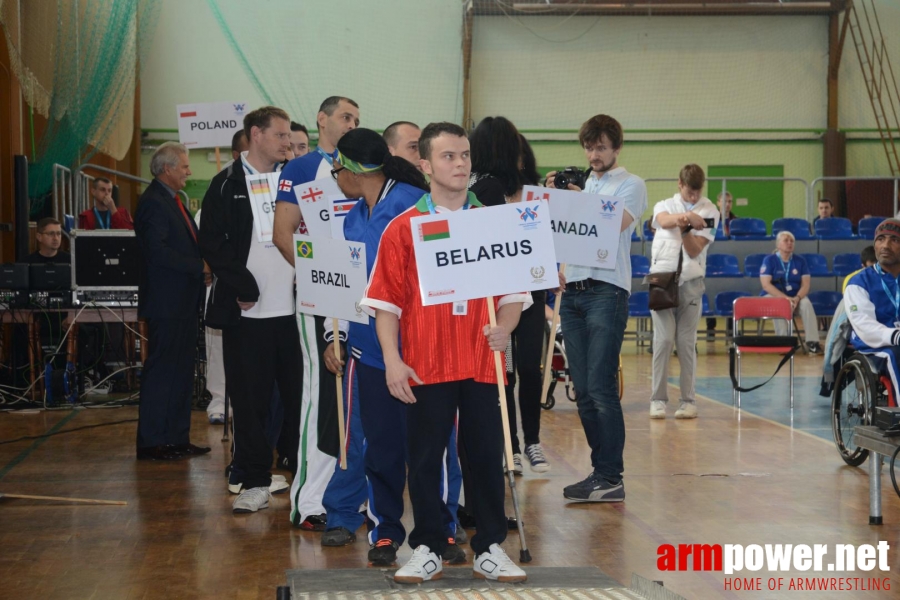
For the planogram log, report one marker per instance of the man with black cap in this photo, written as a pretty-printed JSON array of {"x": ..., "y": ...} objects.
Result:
[{"x": 872, "y": 300}]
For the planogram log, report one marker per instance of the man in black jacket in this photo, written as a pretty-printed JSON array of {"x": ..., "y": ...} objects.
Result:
[
  {"x": 252, "y": 301},
  {"x": 171, "y": 288}
]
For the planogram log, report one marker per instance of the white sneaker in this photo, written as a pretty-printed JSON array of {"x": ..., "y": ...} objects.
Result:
[
  {"x": 536, "y": 457},
  {"x": 517, "y": 464},
  {"x": 279, "y": 485},
  {"x": 251, "y": 500},
  {"x": 496, "y": 565},
  {"x": 657, "y": 409},
  {"x": 423, "y": 565},
  {"x": 687, "y": 410},
  {"x": 101, "y": 389}
]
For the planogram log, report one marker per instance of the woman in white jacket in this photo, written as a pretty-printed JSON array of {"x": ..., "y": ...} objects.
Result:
[{"x": 685, "y": 224}]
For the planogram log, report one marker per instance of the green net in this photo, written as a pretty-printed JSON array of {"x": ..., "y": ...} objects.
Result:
[{"x": 78, "y": 63}]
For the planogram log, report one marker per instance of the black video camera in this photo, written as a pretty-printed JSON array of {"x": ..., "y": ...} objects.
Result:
[{"x": 572, "y": 175}]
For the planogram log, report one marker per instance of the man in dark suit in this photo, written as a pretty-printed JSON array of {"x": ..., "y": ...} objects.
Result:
[{"x": 170, "y": 292}]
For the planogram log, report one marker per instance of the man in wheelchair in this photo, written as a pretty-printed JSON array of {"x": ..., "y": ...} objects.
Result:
[{"x": 869, "y": 376}]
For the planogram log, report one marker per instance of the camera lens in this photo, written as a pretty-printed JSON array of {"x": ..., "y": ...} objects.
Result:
[{"x": 561, "y": 182}]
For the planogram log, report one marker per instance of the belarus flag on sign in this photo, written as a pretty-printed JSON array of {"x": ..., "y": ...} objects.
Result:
[{"x": 435, "y": 230}]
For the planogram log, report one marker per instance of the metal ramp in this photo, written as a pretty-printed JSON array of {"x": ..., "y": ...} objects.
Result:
[{"x": 544, "y": 583}]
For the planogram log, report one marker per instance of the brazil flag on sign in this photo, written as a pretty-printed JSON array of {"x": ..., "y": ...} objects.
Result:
[{"x": 305, "y": 249}]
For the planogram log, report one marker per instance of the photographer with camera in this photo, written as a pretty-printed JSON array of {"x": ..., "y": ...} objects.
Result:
[
  {"x": 685, "y": 227},
  {"x": 594, "y": 312}
]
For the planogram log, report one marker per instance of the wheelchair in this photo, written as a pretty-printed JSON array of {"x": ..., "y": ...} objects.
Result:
[
  {"x": 560, "y": 371},
  {"x": 858, "y": 389}
]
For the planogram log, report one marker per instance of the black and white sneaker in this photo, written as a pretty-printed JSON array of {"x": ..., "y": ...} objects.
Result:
[
  {"x": 497, "y": 566},
  {"x": 595, "y": 489},
  {"x": 424, "y": 565},
  {"x": 383, "y": 553},
  {"x": 814, "y": 347}
]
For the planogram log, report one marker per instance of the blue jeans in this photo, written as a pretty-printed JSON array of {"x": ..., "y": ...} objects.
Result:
[{"x": 593, "y": 325}]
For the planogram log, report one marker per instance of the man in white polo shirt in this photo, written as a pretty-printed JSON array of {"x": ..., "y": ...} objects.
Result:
[
  {"x": 252, "y": 301},
  {"x": 594, "y": 312}
]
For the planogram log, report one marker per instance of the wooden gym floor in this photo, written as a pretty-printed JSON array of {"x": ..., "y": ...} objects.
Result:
[{"x": 177, "y": 537}]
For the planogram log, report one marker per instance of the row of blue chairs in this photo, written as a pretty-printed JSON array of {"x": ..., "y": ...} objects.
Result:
[
  {"x": 751, "y": 228},
  {"x": 726, "y": 265},
  {"x": 824, "y": 303}
]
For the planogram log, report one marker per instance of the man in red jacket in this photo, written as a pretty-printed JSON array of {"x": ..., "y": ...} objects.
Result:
[{"x": 105, "y": 214}]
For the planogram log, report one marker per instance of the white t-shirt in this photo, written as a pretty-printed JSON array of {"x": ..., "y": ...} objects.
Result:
[
  {"x": 667, "y": 243},
  {"x": 274, "y": 275}
]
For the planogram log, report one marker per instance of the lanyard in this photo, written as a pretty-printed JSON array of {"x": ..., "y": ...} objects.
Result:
[
  {"x": 895, "y": 297},
  {"x": 329, "y": 157},
  {"x": 431, "y": 208},
  {"x": 786, "y": 266},
  {"x": 100, "y": 221}
]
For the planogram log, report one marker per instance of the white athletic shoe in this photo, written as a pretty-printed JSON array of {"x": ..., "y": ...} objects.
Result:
[
  {"x": 496, "y": 565},
  {"x": 657, "y": 409},
  {"x": 251, "y": 500},
  {"x": 687, "y": 410},
  {"x": 423, "y": 565},
  {"x": 536, "y": 457},
  {"x": 279, "y": 485}
]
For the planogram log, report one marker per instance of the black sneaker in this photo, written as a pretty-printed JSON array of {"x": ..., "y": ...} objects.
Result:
[
  {"x": 313, "y": 523},
  {"x": 595, "y": 489},
  {"x": 814, "y": 347},
  {"x": 383, "y": 553},
  {"x": 338, "y": 536},
  {"x": 453, "y": 555}
]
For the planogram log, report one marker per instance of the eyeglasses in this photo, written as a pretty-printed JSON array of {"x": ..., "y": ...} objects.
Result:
[{"x": 334, "y": 172}]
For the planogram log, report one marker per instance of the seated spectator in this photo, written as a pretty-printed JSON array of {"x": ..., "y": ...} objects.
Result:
[
  {"x": 726, "y": 201},
  {"x": 49, "y": 239},
  {"x": 826, "y": 211},
  {"x": 105, "y": 214},
  {"x": 786, "y": 275},
  {"x": 866, "y": 259}
]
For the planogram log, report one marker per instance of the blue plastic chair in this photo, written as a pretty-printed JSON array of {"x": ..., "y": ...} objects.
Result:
[
  {"x": 834, "y": 228},
  {"x": 844, "y": 264},
  {"x": 825, "y": 303},
  {"x": 722, "y": 265},
  {"x": 752, "y": 263},
  {"x": 725, "y": 302},
  {"x": 798, "y": 227},
  {"x": 639, "y": 304},
  {"x": 634, "y": 235},
  {"x": 648, "y": 235},
  {"x": 868, "y": 225},
  {"x": 706, "y": 310},
  {"x": 749, "y": 228},
  {"x": 640, "y": 265},
  {"x": 818, "y": 265}
]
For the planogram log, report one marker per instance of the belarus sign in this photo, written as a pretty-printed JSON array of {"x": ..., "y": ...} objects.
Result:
[
  {"x": 262, "y": 201},
  {"x": 209, "y": 125},
  {"x": 468, "y": 254},
  {"x": 585, "y": 226},
  {"x": 331, "y": 277}
]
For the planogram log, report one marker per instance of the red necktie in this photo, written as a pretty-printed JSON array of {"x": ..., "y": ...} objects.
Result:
[{"x": 187, "y": 219}]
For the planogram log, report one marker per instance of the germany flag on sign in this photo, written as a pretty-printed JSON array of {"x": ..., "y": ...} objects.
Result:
[{"x": 305, "y": 249}]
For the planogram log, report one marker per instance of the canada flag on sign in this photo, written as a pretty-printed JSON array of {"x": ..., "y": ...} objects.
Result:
[
  {"x": 285, "y": 185},
  {"x": 535, "y": 196}
]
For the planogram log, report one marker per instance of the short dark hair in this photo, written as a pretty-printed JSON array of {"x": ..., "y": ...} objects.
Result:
[
  {"x": 596, "y": 126},
  {"x": 692, "y": 176},
  {"x": 330, "y": 103},
  {"x": 390, "y": 134},
  {"x": 43, "y": 223},
  {"x": 100, "y": 180},
  {"x": 432, "y": 130},
  {"x": 262, "y": 118},
  {"x": 295, "y": 126},
  {"x": 867, "y": 255},
  {"x": 826, "y": 201},
  {"x": 236, "y": 140}
]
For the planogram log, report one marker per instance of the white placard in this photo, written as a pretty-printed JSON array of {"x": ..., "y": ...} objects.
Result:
[
  {"x": 340, "y": 206},
  {"x": 211, "y": 124},
  {"x": 585, "y": 226},
  {"x": 331, "y": 277},
  {"x": 468, "y": 254},
  {"x": 314, "y": 199},
  {"x": 261, "y": 188}
]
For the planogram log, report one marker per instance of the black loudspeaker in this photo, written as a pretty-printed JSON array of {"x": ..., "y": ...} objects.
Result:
[{"x": 20, "y": 192}]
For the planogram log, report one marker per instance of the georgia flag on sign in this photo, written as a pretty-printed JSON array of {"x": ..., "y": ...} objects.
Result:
[
  {"x": 311, "y": 194},
  {"x": 285, "y": 185}
]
